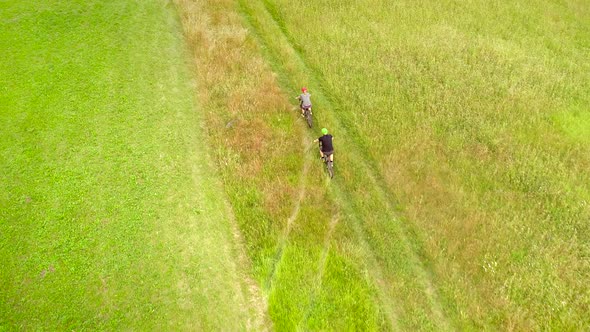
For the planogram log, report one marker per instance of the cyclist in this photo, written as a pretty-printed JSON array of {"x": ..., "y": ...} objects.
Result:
[
  {"x": 304, "y": 101},
  {"x": 326, "y": 147}
]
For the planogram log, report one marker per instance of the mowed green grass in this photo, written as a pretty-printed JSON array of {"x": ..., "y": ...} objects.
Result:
[
  {"x": 460, "y": 195},
  {"x": 111, "y": 216}
]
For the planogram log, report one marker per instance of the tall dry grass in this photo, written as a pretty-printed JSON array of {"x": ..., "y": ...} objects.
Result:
[{"x": 237, "y": 90}]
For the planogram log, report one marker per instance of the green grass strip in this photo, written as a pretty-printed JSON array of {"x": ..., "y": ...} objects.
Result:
[{"x": 111, "y": 216}]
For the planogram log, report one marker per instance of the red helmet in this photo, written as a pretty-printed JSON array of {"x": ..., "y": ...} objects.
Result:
[{"x": 304, "y": 89}]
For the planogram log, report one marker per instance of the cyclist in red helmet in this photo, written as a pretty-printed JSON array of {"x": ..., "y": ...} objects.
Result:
[{"x": 304, "y": 101}]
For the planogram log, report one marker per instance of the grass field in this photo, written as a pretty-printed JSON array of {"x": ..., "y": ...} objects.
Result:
[
  {"x": 460, "y": 196},
  {"x": 462, "y": 109},
  {"x": 111, "y": 216},
  {"x": 151, "y": 185}
]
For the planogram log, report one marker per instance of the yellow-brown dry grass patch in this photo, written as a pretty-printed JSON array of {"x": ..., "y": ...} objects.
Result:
[
  {"x": 241, "y": 99},
  {"x": 236, "y": 87},
  {"x": 248, "y": 117}
]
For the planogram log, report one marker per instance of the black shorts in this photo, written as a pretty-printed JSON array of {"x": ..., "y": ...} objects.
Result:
[{"x": 327, "y": 153}]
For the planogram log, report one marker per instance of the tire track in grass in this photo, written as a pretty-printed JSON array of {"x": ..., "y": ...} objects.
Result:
[
  {"x": 294, "y": 213},
  {"x": 375, "y": 271},
  {"x": 327, "y": 239},
  {"x": 297, "y": 206},
  {"x": 390, "y": 307},
  {"x": 358, "y": 150},
  {"x": 321, "y": 269},
  {"x": 423, "y": 273},
  {"x": 374, "y": 268}
]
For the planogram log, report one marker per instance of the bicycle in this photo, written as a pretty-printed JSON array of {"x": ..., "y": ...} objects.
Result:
[
  {"x": 307, "y": 115},
  {"x": 329, "y": 164}
]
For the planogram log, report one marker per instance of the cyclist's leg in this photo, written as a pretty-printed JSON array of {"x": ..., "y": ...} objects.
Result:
[{"x": 304, "y": 108}]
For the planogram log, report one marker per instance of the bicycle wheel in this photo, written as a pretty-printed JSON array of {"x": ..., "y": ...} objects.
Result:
[
  {"x": 308, "y": 118},
  {"x": 330, "y": 167}
]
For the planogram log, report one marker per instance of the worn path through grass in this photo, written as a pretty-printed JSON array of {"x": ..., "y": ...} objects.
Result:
[{"x": 293, "y": 71}]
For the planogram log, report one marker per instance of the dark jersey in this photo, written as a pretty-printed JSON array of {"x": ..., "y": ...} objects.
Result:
[{"x": 326, "y": 143}]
